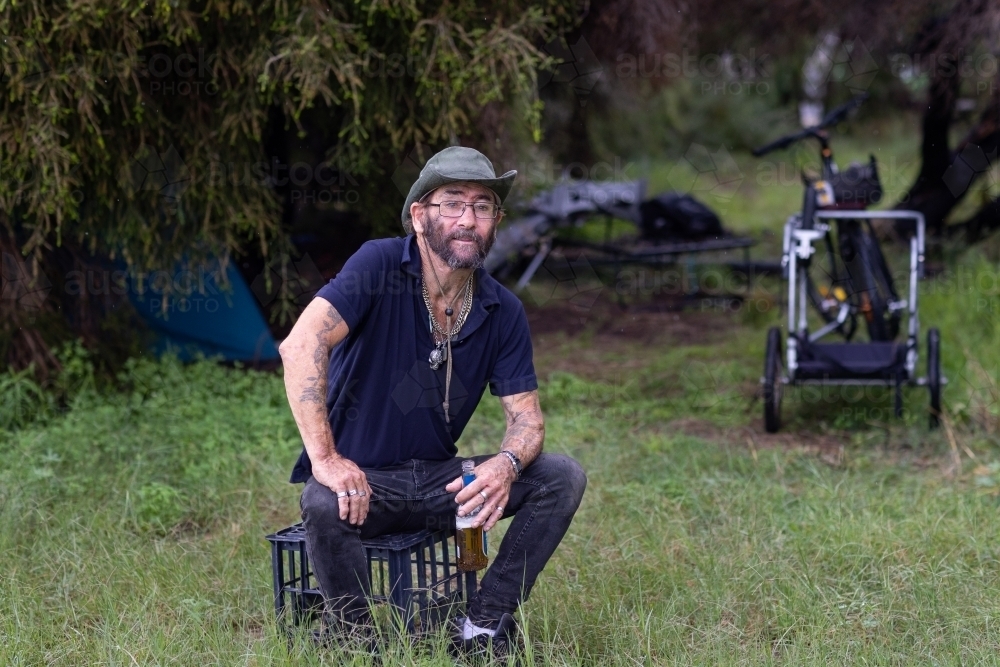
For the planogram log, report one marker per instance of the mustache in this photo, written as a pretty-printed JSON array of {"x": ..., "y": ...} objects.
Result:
[{"x": 467, "y": 235}]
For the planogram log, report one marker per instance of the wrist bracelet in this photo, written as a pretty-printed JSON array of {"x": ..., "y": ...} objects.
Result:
[{"x": 514, "y": 461}]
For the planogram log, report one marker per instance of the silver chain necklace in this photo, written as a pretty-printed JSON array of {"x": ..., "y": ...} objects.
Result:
[{"x": 440, "y": 352}]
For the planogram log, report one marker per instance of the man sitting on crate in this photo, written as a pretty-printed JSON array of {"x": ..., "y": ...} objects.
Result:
[{"x": 384, "y": 369}]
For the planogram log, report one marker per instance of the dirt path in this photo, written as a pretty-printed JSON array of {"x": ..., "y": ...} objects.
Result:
[{"x": 607, "y": 339}]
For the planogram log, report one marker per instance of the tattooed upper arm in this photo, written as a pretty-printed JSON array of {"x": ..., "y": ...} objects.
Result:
[
  {"x": 330, "y": 326},
  {"x": 320, "y": 325}
]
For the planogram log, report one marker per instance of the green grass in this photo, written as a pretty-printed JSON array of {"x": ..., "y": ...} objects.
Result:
[
  {"x": 132, "y": 525},
  {"x": 132, "y": 522}
]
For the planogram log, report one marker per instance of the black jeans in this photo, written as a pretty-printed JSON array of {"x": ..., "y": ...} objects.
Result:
[{"x": 411, "y": 497}]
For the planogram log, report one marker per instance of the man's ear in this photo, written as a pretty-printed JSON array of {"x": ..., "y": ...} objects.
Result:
[{"x": 417, "y": 217}]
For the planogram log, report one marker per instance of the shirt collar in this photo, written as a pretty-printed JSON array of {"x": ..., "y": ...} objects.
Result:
[{"x": 410, "y": 261}]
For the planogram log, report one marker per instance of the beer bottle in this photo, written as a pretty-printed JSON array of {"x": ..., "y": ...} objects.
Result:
[{"x": 471, "y": 541}]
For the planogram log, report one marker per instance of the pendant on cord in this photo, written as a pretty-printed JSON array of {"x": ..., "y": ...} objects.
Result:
[{"x": 439, "y": 355}]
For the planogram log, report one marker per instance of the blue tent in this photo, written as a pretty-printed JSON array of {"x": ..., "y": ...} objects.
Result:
[{"x": 203, "y": 315}]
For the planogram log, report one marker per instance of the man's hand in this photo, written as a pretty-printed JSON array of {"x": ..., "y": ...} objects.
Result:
[
  {"x": 342, "y": 476},
  {"x": 493, "y": 478}
]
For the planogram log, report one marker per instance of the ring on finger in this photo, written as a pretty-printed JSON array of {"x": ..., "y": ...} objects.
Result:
[
  {"x": 483, "y": 494},
  {"x": 352, "y": 492},
  {"x": 499, "y": 508},
  {"x": 362, "y": 494},
  {"x": 341, "y": 494}
]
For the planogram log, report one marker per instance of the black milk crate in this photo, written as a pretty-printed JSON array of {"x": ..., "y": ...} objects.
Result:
[{"x": 414, "y": 572}]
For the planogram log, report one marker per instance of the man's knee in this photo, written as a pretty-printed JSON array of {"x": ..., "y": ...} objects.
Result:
[
  {"x": 321, "y": 509},
  {"x": 564, "y": 477}
]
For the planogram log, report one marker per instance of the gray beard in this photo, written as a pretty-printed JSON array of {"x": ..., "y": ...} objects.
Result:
[{"x": 439, "y": 244}]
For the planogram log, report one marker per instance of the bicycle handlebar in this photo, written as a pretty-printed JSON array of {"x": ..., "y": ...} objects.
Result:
[
  {"x": 838, "y": 114},
  {"x": 835, "y": 115},
  {"x": 783, "y": 142}
]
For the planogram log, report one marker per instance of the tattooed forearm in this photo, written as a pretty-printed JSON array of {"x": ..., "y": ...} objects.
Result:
[
  {"x": 316, "y": 393},
  {"x": 314, "y": 390},
  {"x": 525, "y": 426},
  {"x": 525, "y": 440}
]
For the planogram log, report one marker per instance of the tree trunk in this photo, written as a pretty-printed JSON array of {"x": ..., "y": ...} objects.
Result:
[
  {"x": 945, "y": 175},
  {"x": 24, "y": 303},
  {"x": 977, "y": 154},
  {"x": 929, "y": 194}
]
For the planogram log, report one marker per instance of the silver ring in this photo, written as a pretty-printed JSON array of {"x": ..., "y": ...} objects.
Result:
[
  {"x": 362, "y": 494},
  {"x": 499, "y": 509},
  {"x": 483, "y": 494},
  {"x": 341, "y": 494},
  {"x": 352, "y": 492}
]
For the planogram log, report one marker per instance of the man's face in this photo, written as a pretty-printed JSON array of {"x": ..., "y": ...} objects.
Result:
[{"x": 463, "y": 242}]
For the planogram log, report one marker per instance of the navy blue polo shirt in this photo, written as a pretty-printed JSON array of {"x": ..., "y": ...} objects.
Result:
[{"x": 383, "y": 399}]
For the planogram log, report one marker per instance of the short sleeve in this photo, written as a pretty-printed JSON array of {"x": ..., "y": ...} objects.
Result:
[
  {"x": 353, "y": 291},
  {"x": 514, "y": 372}
]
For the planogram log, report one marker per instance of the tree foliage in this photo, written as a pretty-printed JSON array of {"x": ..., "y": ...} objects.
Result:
[{"x": 135, "y": 130}]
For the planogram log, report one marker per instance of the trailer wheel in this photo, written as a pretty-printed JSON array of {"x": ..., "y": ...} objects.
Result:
[
  {"x": 934, "y": 375},
  {"x": 773, "y": 387}
]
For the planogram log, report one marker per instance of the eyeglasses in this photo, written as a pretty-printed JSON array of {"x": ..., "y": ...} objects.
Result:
[{"x": 456, "y": 209}]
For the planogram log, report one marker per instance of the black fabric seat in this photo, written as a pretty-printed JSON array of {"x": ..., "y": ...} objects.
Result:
[{"x": 880, "y": 360}]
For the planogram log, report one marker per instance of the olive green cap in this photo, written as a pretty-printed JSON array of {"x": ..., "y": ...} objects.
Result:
[{"x": 454, "y": 164}]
